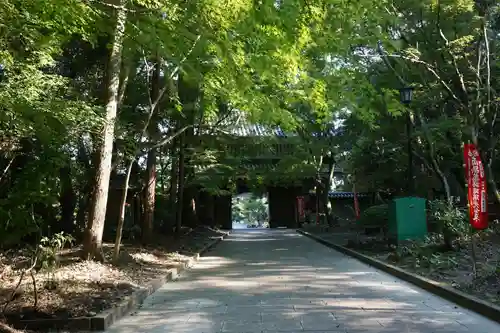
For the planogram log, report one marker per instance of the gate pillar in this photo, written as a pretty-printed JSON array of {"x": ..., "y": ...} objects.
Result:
[
  {"x": 222, "y": 211},
  {"x": 282, "y": 206}
]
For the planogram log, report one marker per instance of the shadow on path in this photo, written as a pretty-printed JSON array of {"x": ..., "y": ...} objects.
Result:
[{"x": 280, "y": 281}]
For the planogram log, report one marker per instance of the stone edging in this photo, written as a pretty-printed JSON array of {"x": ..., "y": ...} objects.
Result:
[
  {"x": 472, "y": 303},
  {"x": 105, "y": 319}
]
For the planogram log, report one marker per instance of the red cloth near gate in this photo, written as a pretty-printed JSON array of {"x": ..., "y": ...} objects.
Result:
[{"x": 477, "y": 193}]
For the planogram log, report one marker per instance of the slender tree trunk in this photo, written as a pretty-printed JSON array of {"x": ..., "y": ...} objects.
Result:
[
  {"x": 121, "y": 218},
  {"x": 181, "y": 182},
  {"x": 92, "y": 243},
  {"x": 189, "y": 216},
  {"x": 447, "y": 233},
  {"x": 85, "y": 188},
  {"x": 491, "y": 181},
  {"x": 163, "y": 167},
  {"x": 149, "y": 197},
  {"x": 189, "y": 96},
  {"x": 150, "y": 190},
  {"x": 174, "y": 178},
  {"x": 67, "y": 200},
  {"x": 318, "y": 203},
  {"x": 82, "y": 206},
  {"x": 153, "y": 107},
  {"x": 189, "y": 207},
  {"x": 319, "y": 190},
  {"x": 326, "y": 194}
]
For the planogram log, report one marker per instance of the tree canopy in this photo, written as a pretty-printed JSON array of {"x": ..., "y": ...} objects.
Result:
[{"x": 128, "y": 91}]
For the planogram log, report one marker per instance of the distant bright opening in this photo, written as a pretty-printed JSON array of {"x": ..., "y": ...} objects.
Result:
[{"x": 250, "y": 210}]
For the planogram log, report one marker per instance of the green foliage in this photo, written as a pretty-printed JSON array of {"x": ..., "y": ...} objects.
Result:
[
  {"x": 43, "y": 114},
  {"x": 299, "y": 66},
  {"x": 50, "y": 247},
  {"x": 430, "y": 45},
  {"x": 251, "y": 210},
  {"x": 47, "y": 255},
  {"x": 375, "y": 216},
  {"x": 426, "y": 254},
  {"x": 450, "y": 217},
  {"x": 431, "y": 253}
]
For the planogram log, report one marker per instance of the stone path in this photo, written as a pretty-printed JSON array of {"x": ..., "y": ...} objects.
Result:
[{"x": 280, "y": 281}]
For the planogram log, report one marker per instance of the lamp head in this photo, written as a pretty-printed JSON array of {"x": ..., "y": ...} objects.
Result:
[{"x": 406, "y": 95}]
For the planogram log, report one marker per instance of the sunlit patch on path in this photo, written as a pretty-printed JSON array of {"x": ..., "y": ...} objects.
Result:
[{"x": 279, "y": 281}]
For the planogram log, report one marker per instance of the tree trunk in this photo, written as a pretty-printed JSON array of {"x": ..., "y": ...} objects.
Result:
[
  {"x": 174, "y": 179},
  {"x": 189, "y": 207},
  {"x": 189, "y": 95},
  {"x": 181, "y": 180},
  {"x": 84, "y": 195},
  {"x": 319, "y": 200},
  {"x": 92, "y": 243},
  {"x": 491, "y": 180},
  {"x": 189, "y": 217},
  {"x": 447, "y": 233},
  {"x": 67, "y": 200},
  {"x": 163, "y": 167},
  {"x": 85, "y": 190},
  {"x": 123, "y": 206},
  {"x": 326, "y": 194},
  {"x": 150, "y": 190},
  {"x": 149, "y": 197}
]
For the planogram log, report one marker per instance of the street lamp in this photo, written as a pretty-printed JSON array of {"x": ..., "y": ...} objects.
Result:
[{"x": 406, "y": 95}]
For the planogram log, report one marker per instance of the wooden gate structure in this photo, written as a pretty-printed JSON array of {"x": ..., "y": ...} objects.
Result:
[{"x": 254, "y": 158}]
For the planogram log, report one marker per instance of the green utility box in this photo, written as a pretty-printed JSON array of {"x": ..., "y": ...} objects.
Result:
[{"x": 407, "y": 219}]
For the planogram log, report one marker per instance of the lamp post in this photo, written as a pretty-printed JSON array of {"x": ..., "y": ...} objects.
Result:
[{"x": 406, "y": 95}]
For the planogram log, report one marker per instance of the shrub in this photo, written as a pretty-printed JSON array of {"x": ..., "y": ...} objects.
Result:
[
  {"x": 449, "y": 217},
  {"x": 427, "y": 253},
  {"x": 375, "y": 217}
]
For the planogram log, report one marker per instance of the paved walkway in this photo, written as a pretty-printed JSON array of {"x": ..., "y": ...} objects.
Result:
[{"x": 280, "y": 281}]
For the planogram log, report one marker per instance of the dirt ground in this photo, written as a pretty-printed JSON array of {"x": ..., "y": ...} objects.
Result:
[
  {"x": 453, "y": 268},
  {"x": 85, "y": 288}
]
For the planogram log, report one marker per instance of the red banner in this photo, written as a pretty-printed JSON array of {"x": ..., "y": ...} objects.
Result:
[
  {"x": 476, "y": 182},
  {"x": 356, "y": 203},
  {"x": 300, "y": 208}
]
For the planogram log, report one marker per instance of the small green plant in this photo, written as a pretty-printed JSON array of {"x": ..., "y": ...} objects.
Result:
[
  {"x": 451, "y": 220},
  {"x": 425, "y": 253},
  {"x": 48, "y": 255},
  {"x": 44, "y": 257}
]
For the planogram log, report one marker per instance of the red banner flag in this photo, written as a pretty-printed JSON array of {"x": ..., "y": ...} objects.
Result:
[
  {"x": 356, "y": 203},
  {"x": 476, "y": 182}
]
